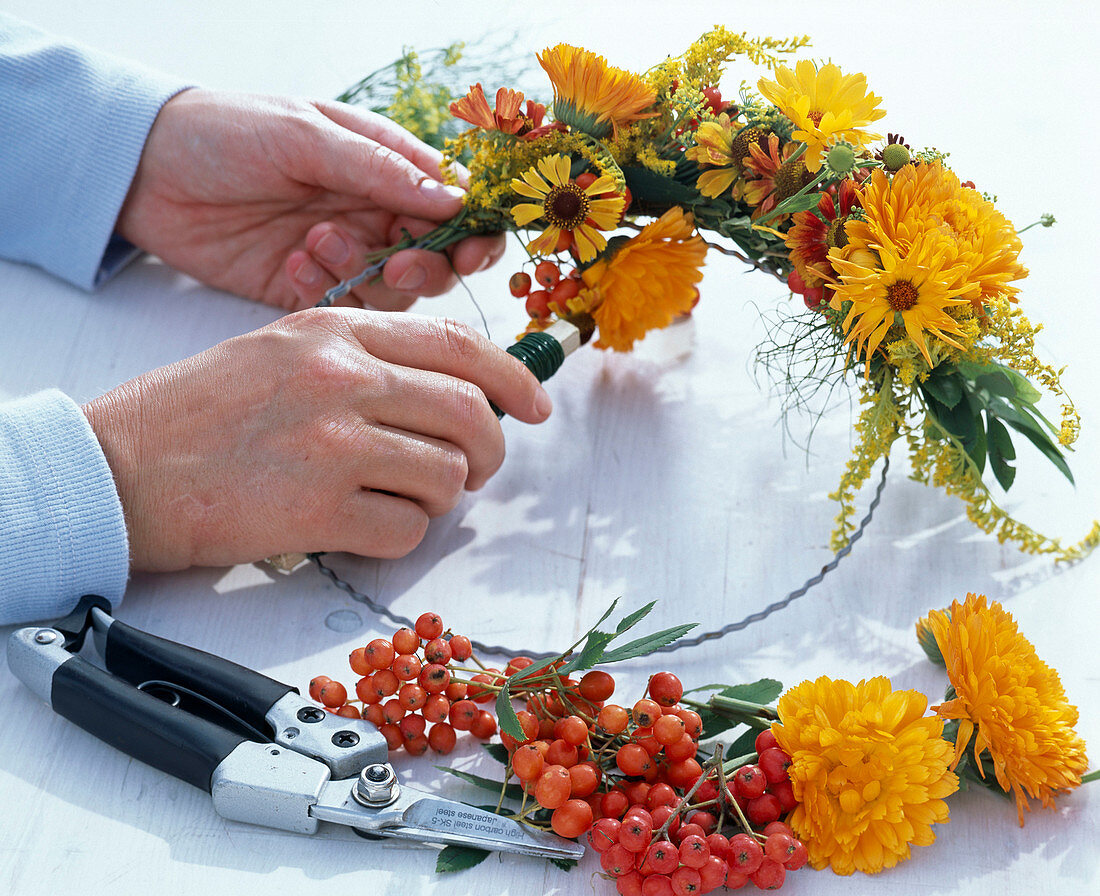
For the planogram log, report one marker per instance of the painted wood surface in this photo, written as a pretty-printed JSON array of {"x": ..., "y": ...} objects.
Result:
[{"x": 666, "y": 475}]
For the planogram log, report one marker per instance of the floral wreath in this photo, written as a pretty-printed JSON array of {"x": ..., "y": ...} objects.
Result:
[{"x": 907, "y": 275}]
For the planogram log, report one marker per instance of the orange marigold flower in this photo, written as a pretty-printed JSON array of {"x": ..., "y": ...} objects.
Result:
[
  {"x": 507, "y": 117},
  {"x": 646, "y": 282},
  {"x": 869, "y": 770},
  {"x": 591, "y": 95},
  {"x": 1008, "y": 701}
]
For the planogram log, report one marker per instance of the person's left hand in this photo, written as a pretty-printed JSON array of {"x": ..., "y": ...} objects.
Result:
[{"x": 278, "y": 200}]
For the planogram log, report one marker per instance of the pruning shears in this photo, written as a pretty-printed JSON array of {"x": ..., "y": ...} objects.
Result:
[{"x": 266, "y": 755}]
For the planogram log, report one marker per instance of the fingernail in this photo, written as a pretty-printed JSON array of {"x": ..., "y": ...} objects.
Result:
[
  {"x": 412, "y": 279},
  {"x": 332, "y": 249},
  {"x": 438, "y": 192},
  {"x": 543, "y": 404},
  {"x": 308, "y": 273}
]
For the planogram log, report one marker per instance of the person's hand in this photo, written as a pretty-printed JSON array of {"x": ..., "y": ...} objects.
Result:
[
  {"x": 331, "y": 429},
  {"x": 278, "y": 200}
]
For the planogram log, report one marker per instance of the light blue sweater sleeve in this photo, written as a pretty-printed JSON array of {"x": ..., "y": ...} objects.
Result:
[
  {"x": 73, "y": 122},
  {"x": 62, "y": 532}
]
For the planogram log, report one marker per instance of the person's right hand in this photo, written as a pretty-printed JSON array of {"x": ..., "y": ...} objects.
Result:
[{"x": 329, "y": 430}]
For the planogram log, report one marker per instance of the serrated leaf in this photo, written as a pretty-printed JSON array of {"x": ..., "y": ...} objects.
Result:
[
  {"x": 647, "y": 644},
  {"x": 458, "y": 858},
  {"x": 591, "y": 653},
  {"x": 716, "y": 723},
  {"x": 628, "y": 622},
  {"x": 564, "y": 864},
  {"x": 506, "y": 715},
  {"x": 498, "y": 751},
  {"x": 512, "y": 791},
  {"x": 763, "y": 691}
]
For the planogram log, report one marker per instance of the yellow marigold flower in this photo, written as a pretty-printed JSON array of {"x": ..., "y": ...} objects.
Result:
[
  {"x": 825, "y": 105},
  {"x": 1008, "y": 700},
  {"x": 591, "y": 95},
  {"x": 648, "y": 281},
  {"x": 566, "y": 206},
  {"x": 869, "y": 770}
]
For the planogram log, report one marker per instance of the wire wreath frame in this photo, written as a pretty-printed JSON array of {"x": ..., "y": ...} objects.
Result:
[{"x": 758, "y": 616}]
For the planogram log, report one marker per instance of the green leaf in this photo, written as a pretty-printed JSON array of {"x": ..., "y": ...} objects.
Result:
[
  {"x": 799, "y": 203},
  {"x": 506, "y": 715},
  {"x": 634, "y": 618},
  {"x": 564, "y": 864},
  {"x": 590, "y": 654},
  {"x": 458, "y": 858},
  {"x": 512, "y": 791},
  {"x": 1001, "y": 450},
  {"x": 764, "y": 691},
  {"x": 647, "y": 644},
  {"x": 651, "y": 187},
  {"x": 1023, "y": 422},
  {"x": 716, "y": 723},
  {"x": 498, "y": 751},
  {"x": 746, "y": 743},
  {"x": 944, "y": 388}
]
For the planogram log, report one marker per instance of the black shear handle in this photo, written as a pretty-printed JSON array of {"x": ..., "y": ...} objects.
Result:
[
  {"x": 138, "y": 657},
  {"x": 139, "y": 724}
]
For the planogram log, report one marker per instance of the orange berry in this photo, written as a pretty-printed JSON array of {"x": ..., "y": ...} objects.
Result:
[
  {"x": 333, "y": 694},
  {"x": 428, "y": 626},
  {"x": 613, "y": 719},
  {"x": 379, "y": 653},
  {"x": 596, "y": 686},
  {"x": 442, "y": 738},
  {"x": 405, "y": 640},
  {"x": 572, "y": 818},
  {"x": 357, "y": 659},
  {"x": 552, "y": 789}
]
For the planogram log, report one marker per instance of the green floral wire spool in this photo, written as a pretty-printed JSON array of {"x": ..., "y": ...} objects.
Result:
[{"x": 543, "y": 352}]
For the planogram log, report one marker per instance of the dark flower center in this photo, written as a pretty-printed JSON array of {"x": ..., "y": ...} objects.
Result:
[
  {"x": 739, "y": 146},
  {"x": 566, "y": 206},
  {"x": 790, "y": 178},
  {"x": 901, "y": 295},
  {"x": 835, "y": 237}
]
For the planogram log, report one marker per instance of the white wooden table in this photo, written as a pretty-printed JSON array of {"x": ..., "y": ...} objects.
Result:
[{"x": 664, "y": 475}]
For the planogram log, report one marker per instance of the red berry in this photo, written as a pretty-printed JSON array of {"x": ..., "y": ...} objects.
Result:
[
  {"x": 750, "y": 782},
  {"x": 527, "y": 762},
  {"x": 604, "y": 834},
  {"x": 735, "y": 880},
  {"x": 585, "y": 778},
  {"x": 571, "y": 819},
  {"x": 713, "y": 97},
  {"x": 364, "y": 690},
  {"x": 797, "y": 285},
  {"x": 484, "y": 725},
  {"x": 462, "y": 714},
  {"x": 315, "y": 686},
  {"x": 769, "y": 876},
  {"x": 657, "y": 885},
  {"x": 813, "y": 297},
  {"x": 406, "y": 667},
  {"x": 661, "y": 795},
  {"x": 784, "y": 792},
  {"x": 596, "y": 686},
  {"x": 434, "y": 678},
  {"x": 779, "y": 847},
  {"x": 797, "y": 858},
  {"x": 763, "y": 810},
  {"x": 547, "y": 274},
  {"x": 693, "y": 722},
  {"x": 412, "y": 696},
  {"x": 635, "y": 833},
  {"x": 574, "y": 730},
  {"x": 585, "y": 179},
  {"x": 713, "y": 874},
  {"x": 779, "y": 826},
  {"x": 613, "y": 719},
  {"x": 358, "y": 661},
  {"x": 405, "y": 640},
  {"x": 428, "y": 626},
  {"x": 632, "y": 760},
  {"x": 614, "y": 803},
  {"x": 519, "y": 284},
  {"x": 392, "y": 711},
  {"x": 684, "y": 748},
  {"x": 668, "y": 729},
  {"x": 461, "y": 648},
  {"x": 704, "y": 819},
  {"x": 683, "y": 774},
  {"x": 417, "y": 746},
  {"x": 333, "y": 694},
  {"x": 565, "y": 241},
  {"x": 689, "y": 830},
  {"x": 552, "y": 788},
  {"x": 442, "y": 738},
  {"x": 774, "y": 763},
  {"x": 537, "y": 304},
  {"x": 412, "y": 726},
  {"x": 646, "y": 712},
  {"x": 437, "y": 650},
  {"x": 617, "y": 861},
  {"x": 380, "y": 653},
  {"x": 687, "y": 881},
  {"x": 562, "y": 753},
  {"x": 694, "y": 851},
  {"x": 663, "y": 857},
  {"x": 385, "y": 683},
  {"x": 665, "y": 688},
  {"x": 745, "y": 854},
  {"x": 719, "y": 845},
  {"x": 348, "y": 712},
  {"x": 765, "y": 740}
]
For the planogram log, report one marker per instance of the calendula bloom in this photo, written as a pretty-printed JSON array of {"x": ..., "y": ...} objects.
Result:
[
  {"x": 1008, "y": 701},
  {"x": 811, "y": 235},
  {"x": 565, "y": 205},
  {"x": 646, "y": 282},
  {"x": 869, "y": 770},
  {"x": 507, "y": 117},
  {"x": 912, "y": 288},
  {"x": 591, "y": 95},
  {"x": 825, "y": 105},
  {"x": 772, "y": 175},
  {"x": 721, "y": 146}
]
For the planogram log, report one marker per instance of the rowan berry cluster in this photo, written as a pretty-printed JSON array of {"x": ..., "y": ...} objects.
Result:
[
  {"x": 666, "y": 844},
  {"x": 411, "y": 681}
]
